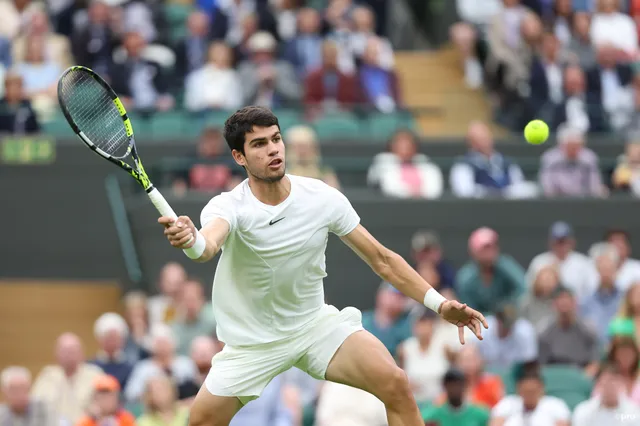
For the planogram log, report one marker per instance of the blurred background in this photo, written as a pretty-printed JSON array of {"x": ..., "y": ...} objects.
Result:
[{"x": 414, "y": 109}]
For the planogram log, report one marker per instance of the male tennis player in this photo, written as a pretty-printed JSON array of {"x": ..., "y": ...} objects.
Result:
[{"x": 268, "y": 293}]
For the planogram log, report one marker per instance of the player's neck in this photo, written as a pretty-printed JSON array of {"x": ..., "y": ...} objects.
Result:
[{"x": 270, "y": 193}]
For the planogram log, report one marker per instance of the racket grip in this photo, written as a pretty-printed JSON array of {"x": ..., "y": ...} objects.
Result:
[{"x": 161, "y": 204}]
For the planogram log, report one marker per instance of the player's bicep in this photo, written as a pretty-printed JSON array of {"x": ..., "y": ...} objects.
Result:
[
  {"x": 365, "y": 245},
  {"x": 215, "y": 232}
]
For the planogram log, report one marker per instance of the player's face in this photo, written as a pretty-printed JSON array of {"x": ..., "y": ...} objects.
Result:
[{"x": 263, "y": 154}]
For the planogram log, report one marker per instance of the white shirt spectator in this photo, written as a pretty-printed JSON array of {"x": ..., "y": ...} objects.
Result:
[
  {"x": 615, "y": 28},
  {"x": 478, "y": 12},
  {"x": 341, "y": 405},
  {"x": 592, "y": 413},
  {"x": 577, "y": 272},
  {"x": 462, "y": 181},
  {"x": 212, "y": 87},
  {"x": 548, "y": 412},
  {"x": 386, "y": 172},
  {"x": 182, "y": 370},
  {"x": 628, "y": 274},
  {"x": 521, "y": 345}
]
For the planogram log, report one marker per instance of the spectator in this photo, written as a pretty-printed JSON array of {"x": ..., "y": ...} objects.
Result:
[
  {"x": 161, "y": 406},
  {"x": 285, "y": 14},
  {"x": 111, "y": 331},
  {"x": 266, "y": 80},
  {"x": 625, "y": 356},
  {"x": 136, "y": 17},
  {"x": 484, "y": 171},
  {"x": 379, "y": 84},
  {"x": 303, "y": 156},
  {"x": 105, "y": 408},
  {"x": 242, "y": 50},
  {"x": 469, "y": 34},
  {"x": 389, "y": 321},
  {"x": 14, "y": 14},
  {"x": 546, "y": 79},
  {"x": 630, "y": 309},
  {"x": 611, "y": 407},
  {"x": 93, "y": 44},
  {"x": 455, "y": 411},
  {"x": 509, "y": 340},
  {"x": 568, "y": 340},
  {"x": 163, "y": 307},
  {"x": 305, "y": 390},
  {"x": 19, "y": 408},
  {"x": 570, "y": 169},
  {"x": 16, "y": 114},
  {"x": 601, "y": 307},
  {"x": 195, "y": 317},
  {"x": 612, "y": 26},
  {"x": 216, "y": 85},
  {"x": 229, "y": 18},
  {"x": 163, "y": 360},
  {"x": 531, "y": 406},
  {"x": 403, "y": 172},
  {"x": 56, "y": 47},
  {"x": 203, "y": 349},
  {"x": 137, "y": 318},
  {"x": 576, "y": 270},
  {"x": 483, "y": 388},
  {"x": 578, "y": 110},
  {"x": 490, "y": 279},
  {"x": 67, "y": 386},
  {"x": 327, "y": 88},
  {"x": 363, "y": 31},
  {"x": 305, "y": 50},
  {"x": 341, "y": 405},
  {"x": 626, "y": 176},
  {"x": 537, "y": 307},
  {"x": 191, "y": 51},
  {"x": 426, "y": 250},
  {"x": 628, "y": 269},
  {"x": 268, "y": 410},
  {"x": 5, "y": 53},
  {"x": 140, "y": 83},
  {"x": 580, "y": 51},
  {"x": 562, "y": 16}
]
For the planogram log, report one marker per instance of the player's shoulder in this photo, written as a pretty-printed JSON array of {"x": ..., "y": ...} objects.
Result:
[
  {"x": 235, "y": 196},
  {"x": 311, "y": 185}
]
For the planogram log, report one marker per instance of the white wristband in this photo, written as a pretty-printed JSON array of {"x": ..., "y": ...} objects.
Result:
[
  {"x": 433, "y": 300},
  {"x": 195, "y": 251}
]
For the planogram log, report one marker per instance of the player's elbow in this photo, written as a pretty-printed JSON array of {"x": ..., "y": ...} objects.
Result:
[{"x": 383, "y": 262}]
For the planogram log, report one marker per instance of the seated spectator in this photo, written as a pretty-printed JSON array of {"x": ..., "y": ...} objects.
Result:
[
  {"x": 379, "y": 85},
  {"x": 579, "y": 51},
  {"x": 568, "y": 340},
  {"x": 285, "y": 15},
  {"x": 249, "y": 26},
  {"x": 363, "y": 29},
  {"x": 303, "y": 156},
  {"x": 530, "y": 406},
  {"x": 537, "y": 306},
  {"x": 14, "y": 14},
  {"x": 195, "y": 317},
  {"x": 612, "y": 26},
  {"x": 571, "y": 169},
  {"x": 163, "y": 360},
  {"x": 483, "y": 388},
  {"x": 628, "y": 269},
  {"x": 266, "y": 80},
  {"x": 301, "y": 394},
  {"x": 625, "y": 356},
  {"x": 455, "y": 411},
  {"x": 138, "y": 17},
  {"x": 575, "y": 269},
  {"x": 191, "y": 51},
  {"x": 16, "y": 114},
  {"x": 546, "y": 79},
  {"x": 137, "y": 318},
  {"x": 57, "y": 48},
  {"x": 630, "y": 309},
  {"x": 509, "y": 340},
  {"x": 163, "y": 307},
  {"x": 626, "y": 176},
  {"x": 268, "y": 410},
  {"x": 229, "y": 18},
  {"x": 161, "y": 405},
  {"x": 105, "y": 408},
  {"x": 403, "y": 172},
  {"x": 389, "y": 321},
  {"x": 610, "y": 407},
  {"x": 328, "y": 89},
  {"x": 470, "y": 33},
  {"x": 67, "y": 386},
  {"x": 202, "y": 351},
  {"x": 561, "y": 20},
  {"x": 93, "y": 44},
  {"x": 426, "y": 251},
  {"x": 111, "y": 332},
  {"x": 19, "y": 408},
  {"x": 484, "y": 171},
  {"x": 491, "y": 278},
  {"x": 141, "y": 84},
  {"x": 341, "y": 405},
  {"x": 5, "y": 53},
  {"x": 305, "y": 49},
  {"x": 216, "y": 85}
]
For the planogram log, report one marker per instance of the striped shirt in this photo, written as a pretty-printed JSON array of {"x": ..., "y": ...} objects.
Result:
[{"x": 561, "y": 176}]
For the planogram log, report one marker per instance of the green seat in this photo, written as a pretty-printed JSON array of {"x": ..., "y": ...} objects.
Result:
[
  {"x": 177, "y": 15},
  {"x": 567, "y": 383},
  {"x": 288, "y": 118},
  {"x": 57, "y": 127},
  {"x": 136, "y": 409},
  {"x": 383, "y": 126},
  {"x": 343, "y": 126},
  {"x": 171, "y": 125}
]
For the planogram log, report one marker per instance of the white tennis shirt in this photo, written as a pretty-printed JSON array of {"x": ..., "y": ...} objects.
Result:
[{"x": 268, "y": 283}]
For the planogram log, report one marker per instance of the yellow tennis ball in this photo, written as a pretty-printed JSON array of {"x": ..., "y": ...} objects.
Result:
[{"x": 536, "y": 132}]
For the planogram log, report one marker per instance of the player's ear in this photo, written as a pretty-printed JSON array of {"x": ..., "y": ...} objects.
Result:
[{"x": 239, "y": 157}]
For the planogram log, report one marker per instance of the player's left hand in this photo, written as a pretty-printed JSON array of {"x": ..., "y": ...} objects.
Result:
[{"x": 460, "y": 315}]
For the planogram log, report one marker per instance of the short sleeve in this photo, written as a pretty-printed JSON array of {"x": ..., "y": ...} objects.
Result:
[
  {"x": 344, "y": 218},
  {"x": 504, "y": 408},
  {"x": 221, "y": 206}
]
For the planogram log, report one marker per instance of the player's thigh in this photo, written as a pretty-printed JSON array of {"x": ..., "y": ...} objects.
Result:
[{"x": 212, "y": 410}]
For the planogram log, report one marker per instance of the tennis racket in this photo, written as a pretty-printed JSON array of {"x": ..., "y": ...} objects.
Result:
[{"x": 97, "y": 116}]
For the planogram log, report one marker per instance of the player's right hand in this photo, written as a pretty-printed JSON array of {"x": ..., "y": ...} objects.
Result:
[{"x": 180, "y": 232}]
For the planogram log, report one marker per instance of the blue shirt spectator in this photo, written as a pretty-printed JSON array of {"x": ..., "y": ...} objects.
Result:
[
  {"x": 305, "y": 50},
  {"x": 5, "y": 52},
  {"x": 268, "y": 410}
]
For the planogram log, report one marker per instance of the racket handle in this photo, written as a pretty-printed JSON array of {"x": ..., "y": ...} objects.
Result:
[{"x": 161, "y": 204}]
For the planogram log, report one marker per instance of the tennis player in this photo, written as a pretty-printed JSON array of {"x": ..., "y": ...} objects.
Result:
[{"x": 268, "y": 294}]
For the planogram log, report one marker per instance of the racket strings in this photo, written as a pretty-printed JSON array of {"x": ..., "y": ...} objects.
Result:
[{"x": 92, "y": 109}]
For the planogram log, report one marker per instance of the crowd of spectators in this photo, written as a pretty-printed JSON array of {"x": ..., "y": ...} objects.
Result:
[{"x": 562, "y": 348}]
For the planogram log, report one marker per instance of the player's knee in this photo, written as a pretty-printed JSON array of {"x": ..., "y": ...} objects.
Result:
[{"x": 395, "y": 388}]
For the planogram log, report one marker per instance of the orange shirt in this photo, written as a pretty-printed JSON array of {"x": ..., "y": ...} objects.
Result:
[
  {"x": 487, "y": 391},
  {"x": 124, "y": 419}
]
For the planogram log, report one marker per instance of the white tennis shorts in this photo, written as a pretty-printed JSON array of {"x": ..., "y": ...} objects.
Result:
[{"x": 245, "y": 372}]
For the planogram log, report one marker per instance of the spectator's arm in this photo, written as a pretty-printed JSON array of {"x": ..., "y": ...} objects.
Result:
[
  {"x": 137, "y": 381},
  {"x": 432, "y": 184},
  {"x": 596, "y": 186},
  {"x": 534, "y": 267},
  {"x": 462, "y": 182}
]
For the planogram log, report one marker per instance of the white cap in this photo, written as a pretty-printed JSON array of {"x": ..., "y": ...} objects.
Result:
[
  {"x": 262, "y": 41},
  {"x": 568, "y": 133}
]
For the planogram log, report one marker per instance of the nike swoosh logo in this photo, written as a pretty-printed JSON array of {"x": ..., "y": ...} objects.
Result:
[{"x": 273, "y": 222}]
